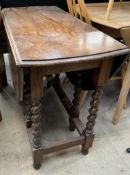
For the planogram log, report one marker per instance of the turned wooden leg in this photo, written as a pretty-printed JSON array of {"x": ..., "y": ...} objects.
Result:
[
  {"x": 76, "y": 102},
  {"x": 123, "y": 96},
  {"x": 36, "y": 81},
  {"x": 36, "y": 125},
  {"x": 88, "y": 131},
  {"x": 27, "y": 100},
  {"x": 0, "y": 117}
]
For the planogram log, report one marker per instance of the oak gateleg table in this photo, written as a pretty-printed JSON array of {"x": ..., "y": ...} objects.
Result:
[{"x": 48, "y": 41}]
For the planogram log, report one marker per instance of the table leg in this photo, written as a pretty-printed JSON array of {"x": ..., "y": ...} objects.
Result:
[
  {"x": 88, "y": 131},
  {"x": 75, "y": 111},
  {"x": 36, "y": 81},
  {"x": 27, "y": 100}
]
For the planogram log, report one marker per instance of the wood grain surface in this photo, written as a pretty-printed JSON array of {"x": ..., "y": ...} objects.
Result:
[{"x": 49, "y": 33}]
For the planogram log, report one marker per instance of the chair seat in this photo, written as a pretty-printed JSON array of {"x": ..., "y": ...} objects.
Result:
[{"x": 119, "y": 17}]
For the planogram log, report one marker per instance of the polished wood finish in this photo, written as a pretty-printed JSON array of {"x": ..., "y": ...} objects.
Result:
[
  {"x": 43, "y": 25},
  {"x": 115, "y": 24},
  {"x": 49, "y": 41},
  {"x": 78, "y": 9}
]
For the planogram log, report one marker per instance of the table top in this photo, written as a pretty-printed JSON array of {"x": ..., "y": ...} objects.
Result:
[
  {"x": 43, "y": 35},
  {"x": 119, "y": 16}
]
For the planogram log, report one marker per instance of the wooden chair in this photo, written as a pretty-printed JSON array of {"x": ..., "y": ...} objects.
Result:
[
  {"x": 125, "y": 32},
  {"x": 113, "y": 18},
  {"x": 78, "y": 8}
]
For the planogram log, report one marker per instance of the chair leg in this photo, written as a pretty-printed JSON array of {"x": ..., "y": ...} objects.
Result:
[
  {"x": 109, "y": 8},
  {"x": 123, "y": 71},
  {"x": 123, "y": 95}
]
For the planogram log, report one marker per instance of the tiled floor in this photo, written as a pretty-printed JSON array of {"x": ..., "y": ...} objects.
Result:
[{"x": 107, "y": 156}]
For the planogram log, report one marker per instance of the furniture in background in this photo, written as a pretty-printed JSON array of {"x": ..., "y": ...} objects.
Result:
[
  {"x": 117, "y": 25},
  {"x": 78, "y": 9},
  {"x": 125, "y": 32},
  {"x": 66, "y": 51},
  {"x": 114, "y": 24}
]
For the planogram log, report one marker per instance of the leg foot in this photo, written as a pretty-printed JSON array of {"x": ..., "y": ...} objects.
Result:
[
  {"x": 36, "y": 166},
  {"x": 84, "y": 151},
  {"x": 37, "y": 159},
  {"x": 71, "y": 126}
]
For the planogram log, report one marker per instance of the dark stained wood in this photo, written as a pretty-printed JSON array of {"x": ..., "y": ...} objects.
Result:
[
  {"x": 63, "y": 145},
  {"x": 102, "y": 75},
  {"x": 27, "y": 99},
  {"x": 17, "y": 76},
  {"x": 75, "y": 102},
  {"x": 88, "y": 131},
  {"x": 36, "y": 83},
  {"x": 47, "y": 30},
  {"x": 67, "y": 105},
  {"x": 87, "y": 144},
  {"x": 47, "y": 40},
  {"x": 61, "y": 94},
  {"x": 78, "y": 125},
  {"x": 37, "y": 158}
]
